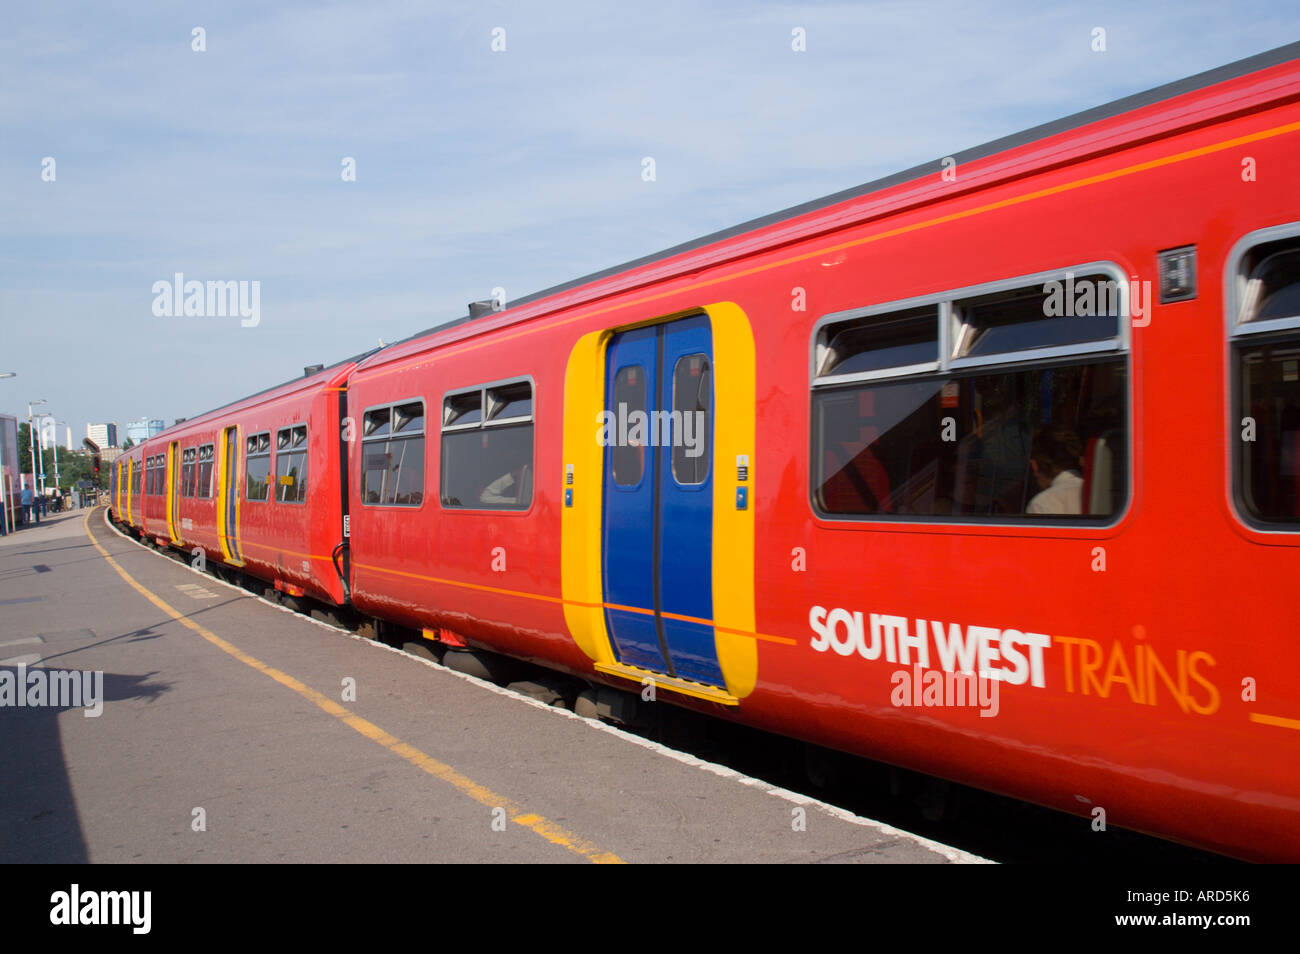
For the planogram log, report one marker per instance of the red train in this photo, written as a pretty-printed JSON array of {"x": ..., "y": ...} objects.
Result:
[{"x": 1032, "y": 413}]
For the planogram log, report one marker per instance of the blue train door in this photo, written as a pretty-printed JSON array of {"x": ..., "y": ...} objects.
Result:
[{"x": 658, "y": 500}]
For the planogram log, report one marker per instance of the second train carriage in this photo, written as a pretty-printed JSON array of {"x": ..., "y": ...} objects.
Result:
[{"x": 254, "y": 485}]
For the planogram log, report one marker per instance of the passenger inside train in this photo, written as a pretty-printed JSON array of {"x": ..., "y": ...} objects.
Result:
[{"x": 1055, "y": 458}]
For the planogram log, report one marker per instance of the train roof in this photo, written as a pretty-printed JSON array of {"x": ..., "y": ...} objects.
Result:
[
  {"x": 323, "y": 376},
  {"x": 1119, "y": 107}
]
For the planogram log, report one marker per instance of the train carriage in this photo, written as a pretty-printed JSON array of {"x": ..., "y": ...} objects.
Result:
[
  {"x": 990, "y": 469},
  {"x": 256, "y": 486},
  {"x": 869, "y": 511}
]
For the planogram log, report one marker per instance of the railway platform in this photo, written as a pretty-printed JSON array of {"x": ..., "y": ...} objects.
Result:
[{"x": 214, "y": 726}]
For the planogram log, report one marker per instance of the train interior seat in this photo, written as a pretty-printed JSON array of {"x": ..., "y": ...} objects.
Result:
[
  {"x": 525, "y": 484},
  {"x": 1099, "y": 476}
]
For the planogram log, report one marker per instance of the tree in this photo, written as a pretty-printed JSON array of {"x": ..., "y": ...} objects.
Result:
[
  {"x": 73, "y": 465},
  {"x": 24, "y": 448}
]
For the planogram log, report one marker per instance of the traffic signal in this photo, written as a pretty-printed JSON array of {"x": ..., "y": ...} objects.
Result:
[{"x": 94, "y": 456}]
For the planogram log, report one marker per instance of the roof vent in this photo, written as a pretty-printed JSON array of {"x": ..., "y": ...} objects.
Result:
[
  {"x": 477, "y": 309},
  {"x": 311, "y": 369}
]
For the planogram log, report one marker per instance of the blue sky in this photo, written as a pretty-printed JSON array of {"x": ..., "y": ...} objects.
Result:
[{"x": 475, "y": 168}]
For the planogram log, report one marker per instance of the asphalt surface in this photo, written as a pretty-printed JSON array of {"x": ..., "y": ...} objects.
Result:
[{"x": 228, "y": 734}]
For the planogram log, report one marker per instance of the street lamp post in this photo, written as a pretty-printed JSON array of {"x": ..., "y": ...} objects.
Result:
[
  {"x": 31, "y": 432},
  {"x": 55, "y": 451}
]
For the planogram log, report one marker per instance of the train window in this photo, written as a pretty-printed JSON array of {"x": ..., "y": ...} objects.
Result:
[
  {"x": 487, "y": 447},
  {"x": 257, "y": 466},
  {"x": 291, "y": 464},
  {"x": 206, "y": 454},
  {"x": 376, "y": 422},
  {"x": 1264, "y": 429},
  {"x": 1066, "y": 313},
  {"x": 408, "y": 418},
  {"x": 693, "y": 400},
  {"x": 902, "y": 340},
  {"x": 1004, "y": 414},
  {"x": 392, "y": 454},
  {"x": 627, "y": 460},
  {"x": 462, "y": 410},
  {"x": 1272, "y": 287},
  {"x": 188, "y": 466},
  {"x": 513, "y": 402}
]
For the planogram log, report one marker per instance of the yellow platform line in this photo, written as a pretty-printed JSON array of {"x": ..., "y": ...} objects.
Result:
[{"x": 539, "y": 824}]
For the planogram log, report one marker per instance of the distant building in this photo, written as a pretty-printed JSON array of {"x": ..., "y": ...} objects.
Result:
[
  {"x": 105, "y": 435},
  {"x": 143, "y": 429},
  {"x": 47, "y": 432}
]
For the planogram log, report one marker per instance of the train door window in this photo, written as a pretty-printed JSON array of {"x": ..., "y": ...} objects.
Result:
[
  {"x": 173, "y": 463},
  {"x": 291, "y": 464},
  {"x": 487, "y": 447},
  {"x": 628, "y": 457},
  {"x": 1005, "y": 402},
  {"x": 188, "y": 466},
  {"x": 692, "y": 412},
  {"x": 257, "y": 466},
  {"x": 1264, "y": 324},
  {"x": 207, "y": 453},
  {"x": 392, "y": 454}
]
